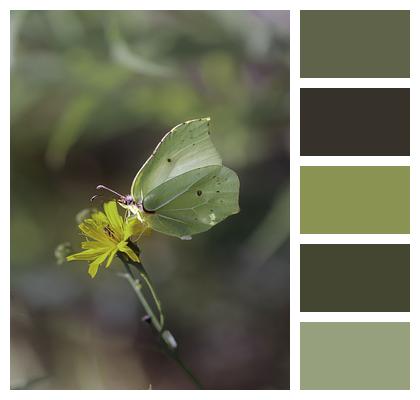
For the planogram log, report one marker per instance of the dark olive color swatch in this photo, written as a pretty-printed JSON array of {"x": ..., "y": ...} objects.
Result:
[
  {"x": 355, "y": 122},
  {"x": 355, "y": 278},
  {"x": 355, "y": 44},
  {"x": 355, "y": 355}
]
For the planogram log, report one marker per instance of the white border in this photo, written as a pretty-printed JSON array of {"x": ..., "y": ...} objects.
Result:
[
  {"x": 211, "y": 5},
  {"x": 355, "y": 316},
  {"x": 354, "y": 160},
  {"x": 296, "y": 82},
  {"x": 354, "y": 82},
  {"x": 355, "y": 239}
]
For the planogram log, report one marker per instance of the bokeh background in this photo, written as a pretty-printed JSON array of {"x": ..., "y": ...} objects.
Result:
[{"x": 92, "y": 93}]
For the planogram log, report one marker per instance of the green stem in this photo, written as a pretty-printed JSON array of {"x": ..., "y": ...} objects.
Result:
[
  {"x": 146, "y": 279},
  {"x": 135, "y": 284},
  {"x": 165, "y": 337}
]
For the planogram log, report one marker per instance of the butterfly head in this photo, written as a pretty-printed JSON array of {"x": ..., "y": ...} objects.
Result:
[
  {"x": 125, "y": 201},
  {"x": 129, "y": 204}
]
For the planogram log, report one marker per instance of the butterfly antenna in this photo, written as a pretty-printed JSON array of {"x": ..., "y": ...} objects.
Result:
[
  {"x": 102, "y": 187},
  {"x": 94, "y": 197}
]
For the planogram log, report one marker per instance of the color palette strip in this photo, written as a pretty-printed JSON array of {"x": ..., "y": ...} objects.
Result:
[
  {"x": 355, "y": 200},
  {"x": 355, "y": 277},
  {"x": 358, "y": 200},
  {"x": 355, "y": 355},
  {"x": 355, "y": 44},
  {"x": 355, "y": 122}
]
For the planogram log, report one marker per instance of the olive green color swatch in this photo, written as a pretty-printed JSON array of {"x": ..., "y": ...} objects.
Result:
[
  {"x": 355, "y": 278},
  {"x": 354, "y": 355},
  {"x": 355, "y": 200},
  {"x": 355, "y": 44}
]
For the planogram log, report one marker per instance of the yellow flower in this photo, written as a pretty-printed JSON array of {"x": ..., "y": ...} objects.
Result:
[{"x": 106, "y": 234}]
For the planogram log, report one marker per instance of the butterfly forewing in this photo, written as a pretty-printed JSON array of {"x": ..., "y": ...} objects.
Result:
[{"x": 186, "y": 147}]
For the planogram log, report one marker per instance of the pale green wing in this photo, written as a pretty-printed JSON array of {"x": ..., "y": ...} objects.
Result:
[
  {"x": 193, "y": 202},
  {"x": 184, "y": 148}
]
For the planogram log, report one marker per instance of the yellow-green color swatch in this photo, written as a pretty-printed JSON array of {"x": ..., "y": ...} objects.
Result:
[
  {"x": 355, "y": 355},
  {"x": 355, "y": 200},
  {"x": 355, "y": 44}
]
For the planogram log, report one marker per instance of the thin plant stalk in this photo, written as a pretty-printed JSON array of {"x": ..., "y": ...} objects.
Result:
[
  {"x": 166, "y": 339},
  {"x": 146, "y": 279},
  {"x": 136, "y": 286}
]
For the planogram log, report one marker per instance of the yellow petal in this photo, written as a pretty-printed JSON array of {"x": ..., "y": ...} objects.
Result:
[
  {"x": 111, "y": 257},
  {"x": 90, "y": 254},
  {"x": 93, "y": 231},
  {"x": 115, "y": 220},
  {"x": 94, "y": 265},
  {"x": 99, "y": 218},
  {"x": 91, "y": 244},
  {"x": 123, "y": 247},
  {"x": 93, "y": 269}
]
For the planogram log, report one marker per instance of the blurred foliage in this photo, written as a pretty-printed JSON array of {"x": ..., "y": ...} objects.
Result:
[{"x": 92, "y": 93}]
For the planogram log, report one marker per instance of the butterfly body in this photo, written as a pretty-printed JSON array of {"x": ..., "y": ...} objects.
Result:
[{"x": 183, "y": 188}]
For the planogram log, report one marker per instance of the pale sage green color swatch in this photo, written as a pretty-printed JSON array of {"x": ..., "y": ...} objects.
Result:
[
  {"x": 354, "y": 355},
  {"x": 355, "y": 44},
  {"x": 354, "y": 200}
]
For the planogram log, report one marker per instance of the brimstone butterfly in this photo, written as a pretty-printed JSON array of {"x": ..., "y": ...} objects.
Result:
[{"x": 183, "y": 188}]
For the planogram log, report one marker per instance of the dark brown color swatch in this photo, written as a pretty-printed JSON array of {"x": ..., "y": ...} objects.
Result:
[
  {"x": 355, "y": 122},
  {"x": 356, "y": 277}
]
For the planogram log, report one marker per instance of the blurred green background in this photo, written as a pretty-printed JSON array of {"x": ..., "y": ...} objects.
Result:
[{"x": 92, "y": 93}]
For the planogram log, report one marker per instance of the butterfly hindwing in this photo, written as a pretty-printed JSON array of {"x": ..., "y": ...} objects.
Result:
[{"x": 193, "y": 202}]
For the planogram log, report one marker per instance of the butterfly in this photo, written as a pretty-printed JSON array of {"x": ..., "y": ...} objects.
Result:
[{"x": 183, "y": 189}]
